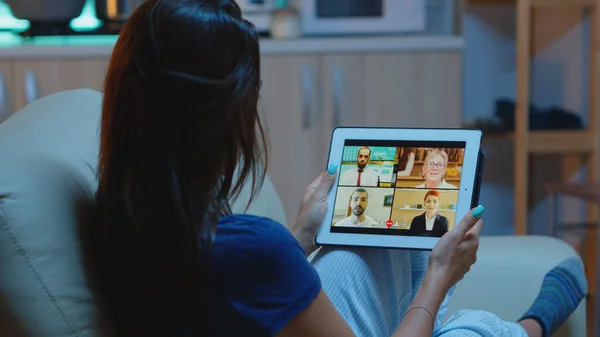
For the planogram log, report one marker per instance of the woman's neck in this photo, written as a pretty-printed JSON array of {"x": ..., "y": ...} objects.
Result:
[{"x": 432, "y": 184}]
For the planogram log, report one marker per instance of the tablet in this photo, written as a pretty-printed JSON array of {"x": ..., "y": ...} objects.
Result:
[{"x": 400, "y": 187}]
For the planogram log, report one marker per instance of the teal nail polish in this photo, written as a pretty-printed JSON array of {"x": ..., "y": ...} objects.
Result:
[
  {"x": 478, "y": 212},
  {"x": 332, "y": 168}
]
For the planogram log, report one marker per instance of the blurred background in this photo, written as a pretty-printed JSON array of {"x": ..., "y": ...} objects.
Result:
[
  {"x": 410, "y": 63},
  {"x": 431, "y": 63}
]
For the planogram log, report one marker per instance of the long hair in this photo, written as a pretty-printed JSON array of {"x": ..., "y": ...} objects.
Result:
[{"x": 180, "y": 137}]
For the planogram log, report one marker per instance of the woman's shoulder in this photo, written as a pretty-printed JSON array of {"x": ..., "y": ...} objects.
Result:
[
  {"x": 263, "y": 270},
  {"x": 445, "y": 184},
  {"x": 243, "y": 220},
  {"x": 442, "y": 217},
  {"x": 250, "y": 227},
  {"x": 255, "y": 236}
]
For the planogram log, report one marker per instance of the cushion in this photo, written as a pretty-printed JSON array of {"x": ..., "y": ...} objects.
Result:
[{"x": 47, "y": 155}]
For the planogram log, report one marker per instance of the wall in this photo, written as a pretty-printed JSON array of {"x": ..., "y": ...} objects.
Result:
[{"x": 559, "y": 77}]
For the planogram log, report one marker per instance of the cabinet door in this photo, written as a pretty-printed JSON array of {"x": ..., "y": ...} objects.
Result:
[
  {"x": 343, "y": 78},
  {"x": 290, "y": 106},
  {"x": 6, "y": 104},
  {"x": 36, "y": 78},
  {"x": 420, "y": 89}
]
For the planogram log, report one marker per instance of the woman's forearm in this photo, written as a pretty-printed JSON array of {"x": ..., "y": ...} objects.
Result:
[{"x": 420, "y": 317}]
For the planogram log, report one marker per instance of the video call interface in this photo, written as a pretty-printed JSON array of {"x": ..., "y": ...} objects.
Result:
[{"x": 407, "y": 188}]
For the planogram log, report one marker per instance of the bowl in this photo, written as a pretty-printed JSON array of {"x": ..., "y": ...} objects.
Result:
[{"x": 46, "y": 10}]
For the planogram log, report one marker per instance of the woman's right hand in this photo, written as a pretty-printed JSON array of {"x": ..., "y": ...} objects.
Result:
[
  {"x": 449, "y": 261},
  {"x": 456, "y": 251}
]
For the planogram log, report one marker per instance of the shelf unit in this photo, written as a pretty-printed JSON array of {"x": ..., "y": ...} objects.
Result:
[{"x": 567, "y": 143}]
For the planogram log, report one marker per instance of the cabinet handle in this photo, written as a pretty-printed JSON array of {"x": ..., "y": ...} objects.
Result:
[
  {"x": 31, "y": 87},
  {"x": 4, "y": 104},
  {"x": 307, "y": 94},
  {"x": 338, "y": 84}
]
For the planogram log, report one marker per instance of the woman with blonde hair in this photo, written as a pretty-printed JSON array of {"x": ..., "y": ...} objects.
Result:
[{"x": 434, "y": 170}]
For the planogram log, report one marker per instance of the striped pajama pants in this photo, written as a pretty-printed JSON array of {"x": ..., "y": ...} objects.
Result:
[{"x": 372, "y": 289}]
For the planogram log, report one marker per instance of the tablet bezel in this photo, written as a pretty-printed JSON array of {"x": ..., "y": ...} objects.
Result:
[{"x": 472, "y": 139}]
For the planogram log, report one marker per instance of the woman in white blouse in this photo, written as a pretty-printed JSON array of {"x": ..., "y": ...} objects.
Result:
[{"x": 434, "y": 170}]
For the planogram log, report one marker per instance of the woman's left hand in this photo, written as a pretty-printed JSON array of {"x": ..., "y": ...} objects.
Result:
[{"x": 313, "y": 209}]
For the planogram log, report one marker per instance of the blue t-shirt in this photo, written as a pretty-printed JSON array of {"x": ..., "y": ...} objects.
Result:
[{"x": 260, "y": 279}]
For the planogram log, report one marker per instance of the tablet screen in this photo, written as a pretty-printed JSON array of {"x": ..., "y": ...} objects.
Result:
[{"x": 398, "y": 187}]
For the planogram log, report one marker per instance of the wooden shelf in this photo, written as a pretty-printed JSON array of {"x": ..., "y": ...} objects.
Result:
[
  {"x": 538, "y": 3},
  {"x": 559, "y": 142},
  {"x": 564, "y": 142},
  {"x": 563, "y": 3},
  {"x": 527, "y": 142},
  {"x": 588, "y": 192}
]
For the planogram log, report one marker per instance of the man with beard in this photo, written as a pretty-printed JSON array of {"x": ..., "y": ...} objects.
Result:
[
  {"x": 361, "y": 175},
  {"x": 358, "y": 204}
]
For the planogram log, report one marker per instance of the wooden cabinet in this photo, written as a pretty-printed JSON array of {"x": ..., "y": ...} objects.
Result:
[
  {"x": 6, "y": 105},
  {"x": 304, "y": 97},
  {"x": 33, "y": 79},
  {"x": 343, "y": 90},
  {"x": 290, "y": 104},
  {"x": 414, "y": 89}
]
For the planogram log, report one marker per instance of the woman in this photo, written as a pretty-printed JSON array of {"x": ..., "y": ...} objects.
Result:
[
  {"x": 430, "y": 223},
  {"x": 180, "y": 136},
  {"x": 434, "y": 170}
]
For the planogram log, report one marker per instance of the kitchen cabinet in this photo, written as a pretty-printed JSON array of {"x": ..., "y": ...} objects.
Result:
[
  {"x": 6, "y": 104},
  {"x": 290, "y": 106},
  {"x": 414, "y": 89},
  {"x": 305, "y": 95},
  {"x": 33, "y": 79},
  {"x": 304, "y": 98},
  {"x": 343, "y": 90}
]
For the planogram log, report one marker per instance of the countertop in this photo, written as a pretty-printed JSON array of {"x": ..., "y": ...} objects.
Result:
[{"x": 12, "y": 47}]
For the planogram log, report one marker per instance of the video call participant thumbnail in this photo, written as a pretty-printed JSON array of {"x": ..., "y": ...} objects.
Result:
[
  {"x": 362, "y": 174},
  {"x": 359, "y": 201},
  {"x": 430, "y": 223},
  {"x": 434, "y": 170}
]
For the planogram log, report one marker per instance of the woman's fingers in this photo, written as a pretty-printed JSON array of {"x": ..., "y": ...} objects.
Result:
[
  {"x": 325, "y": 183},
  {"x": 324, "y": 180},
  {"x": 476, "y": 230},
  {"x": 468, "y": 236},
  {"x": 470, "y": 223},
  {"x": 310, "y": 189}
]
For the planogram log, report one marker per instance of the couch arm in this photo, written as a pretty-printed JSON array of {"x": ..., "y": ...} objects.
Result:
[{"x": 508, "y": 275}]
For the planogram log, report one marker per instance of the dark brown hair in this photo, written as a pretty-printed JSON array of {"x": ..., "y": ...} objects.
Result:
[{"x": 180, "y": 137}]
